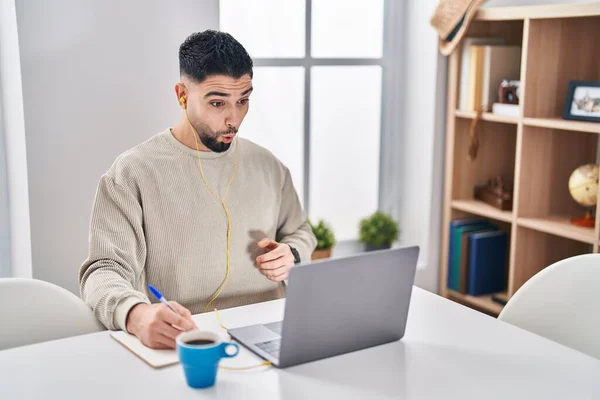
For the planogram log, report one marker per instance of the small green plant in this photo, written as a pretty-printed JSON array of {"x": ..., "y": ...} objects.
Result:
[
  {"x": 324, "y": 234},
  {"x": 378, "y": 230}
]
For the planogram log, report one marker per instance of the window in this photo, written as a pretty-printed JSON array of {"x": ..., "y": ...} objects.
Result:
[
  {"x": 276, "y": 117},
  {"x": 317, "y": 102},
  {"x": 266, "y": 28},
  {"x": 347, "y": 29}
]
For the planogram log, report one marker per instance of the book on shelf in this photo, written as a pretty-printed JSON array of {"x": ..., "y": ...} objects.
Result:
[
  {"x": 451, "y": 247},
  {"x": 476, "y": 62},
  {"x": 457, "y": 229},
  {"x": 488, "y": 256},
  {"x": 464, "y": 65},
  {"x": 499, "y": 63},
  {"x": 485, "y": 63},
  {"x": 477, "y": 257},
  {"x": 463, "y": 267}
]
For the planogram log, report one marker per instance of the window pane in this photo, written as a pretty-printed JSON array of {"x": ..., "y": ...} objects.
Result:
[
  {"x": 266, "y": 28},
  {"x": 276, "y": 117},
  {"x": 344, "y": 154},
  {"x": 343, "y": 28}
]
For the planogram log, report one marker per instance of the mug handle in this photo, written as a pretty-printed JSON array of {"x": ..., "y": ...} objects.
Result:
[{"x": 224, "y": 347}]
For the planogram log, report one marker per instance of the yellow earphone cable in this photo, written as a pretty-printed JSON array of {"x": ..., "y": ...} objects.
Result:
[
  {"x": 222, "y": 202},
  {"x": 227, "y": 262},
  {"x": 263, "y": 364}
]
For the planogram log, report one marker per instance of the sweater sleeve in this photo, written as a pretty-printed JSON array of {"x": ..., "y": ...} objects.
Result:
[
  {"x": 293, "y": 228},
  {"x": 117, "y": 253}
]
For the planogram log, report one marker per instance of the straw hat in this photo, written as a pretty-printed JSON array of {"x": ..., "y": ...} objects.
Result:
[{"x": 451, "y": 20}]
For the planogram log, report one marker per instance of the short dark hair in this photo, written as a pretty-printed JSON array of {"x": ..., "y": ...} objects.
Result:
[{"x": 213, "y": 53}]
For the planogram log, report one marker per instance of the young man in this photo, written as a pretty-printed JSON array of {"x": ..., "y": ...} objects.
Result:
[{"x": 211, "y": 220}]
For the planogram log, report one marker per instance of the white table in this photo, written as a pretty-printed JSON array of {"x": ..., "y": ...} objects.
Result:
[{"x": 449, "y": 352}]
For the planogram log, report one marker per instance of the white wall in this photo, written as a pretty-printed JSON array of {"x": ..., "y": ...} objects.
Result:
[
  {"x": 422, "y": 139},
  {"x": 98, "y": 78},
  {"x": 15, "y": 229}
]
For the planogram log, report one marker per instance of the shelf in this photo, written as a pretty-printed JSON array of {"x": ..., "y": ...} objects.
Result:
[
  {"x": 487, "y": 117},
  {"x": 482, "y": 209},
  {"x": 563, "y": 124},
  {"x": 484, "y": 303},
  {"x": 537, "y": 12},
  {"x": 535, "y": 148},
  {"x": 552, "y": 123},
  {"x": 559, "y": 226}
]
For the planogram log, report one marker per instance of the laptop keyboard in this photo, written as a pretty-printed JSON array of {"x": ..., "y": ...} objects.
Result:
[{"x": 271, "y": 347}]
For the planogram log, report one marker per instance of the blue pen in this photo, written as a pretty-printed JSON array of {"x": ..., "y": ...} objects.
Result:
[{"x": 162, "y": 299}]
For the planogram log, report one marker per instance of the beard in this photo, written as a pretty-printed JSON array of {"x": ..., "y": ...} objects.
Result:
[{"x": 210, "y": 139}]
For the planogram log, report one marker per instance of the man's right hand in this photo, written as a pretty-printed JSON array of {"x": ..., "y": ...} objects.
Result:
[{"x": 153, "y": 324}]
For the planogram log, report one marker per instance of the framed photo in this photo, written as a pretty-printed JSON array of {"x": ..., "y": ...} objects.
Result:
[{"x": 583, "y": 101}]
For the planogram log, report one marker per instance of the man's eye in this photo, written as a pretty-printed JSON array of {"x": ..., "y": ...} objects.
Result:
[
  {"x": 244, "y": 101},
  {"x": 217, "y": 103}
]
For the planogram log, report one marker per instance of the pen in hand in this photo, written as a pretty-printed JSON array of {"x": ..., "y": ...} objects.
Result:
[{"x": 162, "y": 299}]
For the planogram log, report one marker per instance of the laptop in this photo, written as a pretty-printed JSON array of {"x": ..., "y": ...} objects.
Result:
[{"x": 337, "y": 306}]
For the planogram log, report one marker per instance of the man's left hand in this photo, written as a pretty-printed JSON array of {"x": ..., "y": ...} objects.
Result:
[{"x": 277, "y": 262}]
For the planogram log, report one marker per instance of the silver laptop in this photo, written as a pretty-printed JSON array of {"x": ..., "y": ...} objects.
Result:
[{"x": 337, "y": 306}]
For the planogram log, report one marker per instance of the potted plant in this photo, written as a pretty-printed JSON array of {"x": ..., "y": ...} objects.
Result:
[
  {"x": 378, "y": 231},
  {"x": 325, "y": 240}
]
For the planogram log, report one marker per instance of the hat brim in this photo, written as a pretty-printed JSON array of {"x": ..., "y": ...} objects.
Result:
[{"x": 448, "y": 46}]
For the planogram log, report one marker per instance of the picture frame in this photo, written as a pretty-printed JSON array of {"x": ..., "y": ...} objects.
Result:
[{"x": 583, "y": 101}]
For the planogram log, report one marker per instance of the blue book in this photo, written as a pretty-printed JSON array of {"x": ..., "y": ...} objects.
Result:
[
  {"x": 454, "y": 252},
  {"x": 488, "y": 258},
  {"x": 463, "y": 266},
  {"x": 459, "y": 235},
  {"x": 453, "y": 225}
]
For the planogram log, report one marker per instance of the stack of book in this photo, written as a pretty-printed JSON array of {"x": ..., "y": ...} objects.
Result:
[
  {"x": 478, "y": 257},
  {"x": 485, "y": 63}
]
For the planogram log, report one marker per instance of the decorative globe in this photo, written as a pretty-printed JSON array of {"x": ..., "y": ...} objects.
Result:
[{"x": 583, "y": 185}]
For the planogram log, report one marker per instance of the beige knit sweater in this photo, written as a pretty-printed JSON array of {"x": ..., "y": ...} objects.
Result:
[{"x": 155, "y": 222}]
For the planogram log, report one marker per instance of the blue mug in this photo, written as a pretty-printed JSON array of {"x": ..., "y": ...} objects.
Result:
[{"x": 199, "y": 353}]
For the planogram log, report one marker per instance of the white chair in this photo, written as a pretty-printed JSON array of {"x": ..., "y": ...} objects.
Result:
[
  {"x": 561, "y": 303},
  {"x": 33, "y": 311}
]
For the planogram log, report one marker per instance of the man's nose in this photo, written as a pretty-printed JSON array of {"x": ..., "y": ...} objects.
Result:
[{"x": 233, "y": 118}]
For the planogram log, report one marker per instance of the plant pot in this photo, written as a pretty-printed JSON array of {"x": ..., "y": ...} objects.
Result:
[
  {"x": 374, "y": 247},
  {"x": 321, "y": 254}
]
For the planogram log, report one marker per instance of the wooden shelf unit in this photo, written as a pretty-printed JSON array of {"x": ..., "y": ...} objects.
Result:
[
  {"x": 566, "y": 125},
  {"x": 551, "y": 123},
  {"x": 559, "y": 226},
  {"x": 477, "y": 207},
  {"x": 487, "y": 116},
  {"x": 538, "y": 150}
]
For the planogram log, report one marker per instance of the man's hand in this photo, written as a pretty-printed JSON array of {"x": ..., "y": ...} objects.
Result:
[
  {"x": 152, "y": 324},
  {"x": 277, "y": 262}
]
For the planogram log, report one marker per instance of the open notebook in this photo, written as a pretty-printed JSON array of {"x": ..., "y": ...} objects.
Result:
[
  {"x": 154, "y": 358},
  {"x": 161, "y": 358}
]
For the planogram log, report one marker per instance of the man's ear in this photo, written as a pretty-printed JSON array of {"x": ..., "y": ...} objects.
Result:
[{"x": 181, "y": 93}]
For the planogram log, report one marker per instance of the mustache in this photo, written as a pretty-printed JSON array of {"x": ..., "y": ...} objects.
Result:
[{"x": 229, "y": 131}]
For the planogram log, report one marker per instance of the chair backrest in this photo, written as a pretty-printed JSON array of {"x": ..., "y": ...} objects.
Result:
[
  {"x": 34, "y": 311},
  {"x": 561, "y": 303}
]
